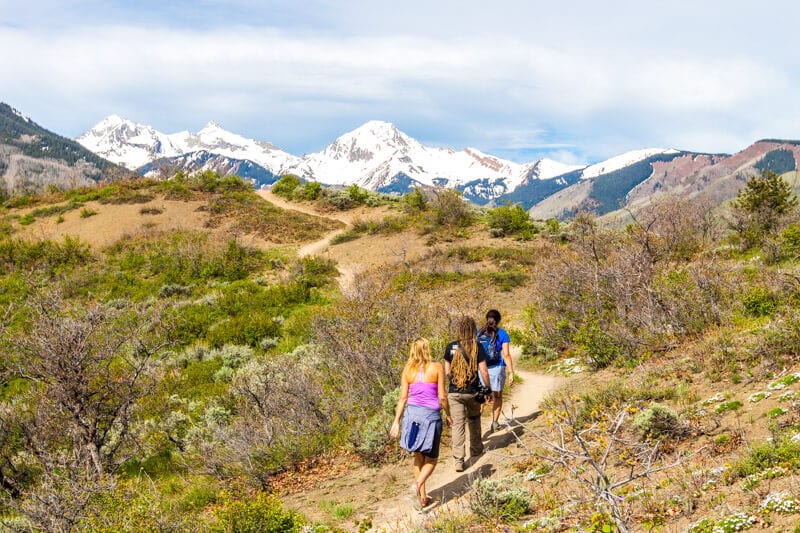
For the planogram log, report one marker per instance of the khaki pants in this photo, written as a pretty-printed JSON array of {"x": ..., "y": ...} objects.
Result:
[{"x": 465, "y": 412}]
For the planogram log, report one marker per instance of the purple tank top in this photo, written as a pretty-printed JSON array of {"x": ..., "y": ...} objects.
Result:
[{"x": 424, "y": 394}]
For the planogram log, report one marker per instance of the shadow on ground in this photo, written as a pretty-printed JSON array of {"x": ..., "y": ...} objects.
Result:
[{"x": 497, "y": 440}]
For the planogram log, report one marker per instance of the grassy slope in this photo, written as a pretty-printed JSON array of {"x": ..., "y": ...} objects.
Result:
[{"x": 722, "y": 364}]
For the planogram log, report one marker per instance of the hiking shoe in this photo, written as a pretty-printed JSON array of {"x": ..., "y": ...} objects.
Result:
[
  {"x": 459, "y": 465},
  {"x": 495, "y": 427}
]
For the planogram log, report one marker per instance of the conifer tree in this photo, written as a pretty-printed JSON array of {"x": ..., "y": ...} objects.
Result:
[{"x": 761, "y": 205}]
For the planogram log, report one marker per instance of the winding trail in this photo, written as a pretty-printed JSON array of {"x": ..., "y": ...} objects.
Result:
[
  {"x": 346, "y": 271},
  {"x": 446, "y": 485},
  {"x": 319, "y": 246}
]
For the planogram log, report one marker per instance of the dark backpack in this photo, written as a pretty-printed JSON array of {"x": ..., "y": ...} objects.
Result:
[{"x": 489, "y": 343}]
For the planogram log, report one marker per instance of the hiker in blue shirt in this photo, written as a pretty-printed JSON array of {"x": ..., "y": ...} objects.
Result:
[{"x": 497, "y": 345}]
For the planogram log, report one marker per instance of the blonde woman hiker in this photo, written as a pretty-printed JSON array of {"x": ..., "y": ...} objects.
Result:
[
  {"x": 497, "y": 345},
  {"x": 422, "y": 397},
  {"x": 464, "y": 361}
]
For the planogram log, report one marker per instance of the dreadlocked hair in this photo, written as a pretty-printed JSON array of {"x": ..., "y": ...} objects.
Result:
[
  {"x": 419, "y": 354},
  {"x": 461, "y": 370}
]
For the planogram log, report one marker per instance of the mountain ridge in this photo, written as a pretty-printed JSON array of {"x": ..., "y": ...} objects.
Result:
[
  {"x": 379, "y": 156},
  {"x": 376, "y": 155},
  {"x": 32, "y": 157}
]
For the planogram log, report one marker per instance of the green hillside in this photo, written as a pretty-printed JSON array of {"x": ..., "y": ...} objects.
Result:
[{"x": 189, "y": 379}]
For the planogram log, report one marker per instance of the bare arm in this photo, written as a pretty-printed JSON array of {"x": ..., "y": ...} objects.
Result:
[
  {"x": 509, "y": 362},
  {"x": 401, "y": 405},
  {"x": 484, "y": 372},
  {"x": 443, "y": 393}
]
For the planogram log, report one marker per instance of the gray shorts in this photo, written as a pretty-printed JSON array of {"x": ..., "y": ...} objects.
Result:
[{"x": 497, "y": 378}]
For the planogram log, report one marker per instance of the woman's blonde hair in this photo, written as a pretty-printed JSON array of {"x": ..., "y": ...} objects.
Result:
[
  {"x": 461, "y": 370},
  {"x": 419, "y": 354}
]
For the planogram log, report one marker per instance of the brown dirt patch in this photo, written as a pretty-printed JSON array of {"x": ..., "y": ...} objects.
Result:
[{"x": 112, "y": 222}]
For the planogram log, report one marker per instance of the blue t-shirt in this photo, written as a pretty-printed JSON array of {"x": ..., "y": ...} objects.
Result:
[{"x": 502, "y": 337}]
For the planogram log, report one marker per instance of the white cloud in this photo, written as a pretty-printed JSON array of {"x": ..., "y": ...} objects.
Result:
[{"x": 490, "y": 89}]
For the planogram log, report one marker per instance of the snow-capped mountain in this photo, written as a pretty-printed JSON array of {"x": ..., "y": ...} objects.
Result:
[
  {"x": 134, "y": 145},
  {"x": 204, "y": 160},
  {"x": 378, "y": 156},
  {"x": 130, "y": 144}
]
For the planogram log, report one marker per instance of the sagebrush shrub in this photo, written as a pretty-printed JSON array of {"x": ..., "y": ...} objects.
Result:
[
  {"x": 371, "y": 439},
  {"x": 657, "y": 421},
  {"x": 505, "y": 499}
]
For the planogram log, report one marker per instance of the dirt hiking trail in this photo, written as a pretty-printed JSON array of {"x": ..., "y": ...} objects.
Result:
[
  {"x": 393, "y": 511},
  {"x": 445, "y": 485},
  {"x": 357, "y": 256},
  {"x": 346, "y": 271}
]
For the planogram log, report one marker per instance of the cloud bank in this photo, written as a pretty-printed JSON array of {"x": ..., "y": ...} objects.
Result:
[{"x": 560, "y": 92}]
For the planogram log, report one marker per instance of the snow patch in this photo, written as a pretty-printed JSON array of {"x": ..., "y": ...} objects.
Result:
[{"x": 622, "y": 160}]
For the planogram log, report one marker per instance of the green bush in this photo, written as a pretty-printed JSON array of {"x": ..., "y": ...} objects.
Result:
[
  {"x": 286, "y": 186},
  {"x": 197, "y": 497},
  {"x": 508, "y": 279},
  {"x": 46, "y": 256},
  {"x": 315, "y": 271},
  {"x": 176, "y": 188},
  {"x": 372, "y": 438},
  {"x": 657, "y": 421},
  {"x": 760, "y": 206},
  {"x": 782, "y": 451},
  {"x": 449, "y": 209},
  {"x": 128, "y": 196},
  {"x": 500, "y": 499},
  {"x": 728, "y": 406},
  {"x": 248, "y": 329},
  {"x": 759, "y": 302},
  {"x": 58, "y": 209},
  {"x": 414, "y": 201},
  {"x": 600, "y": 348},
  {"x": 688, "y": 298},
  {"x": 790, "y": 241},
  {"x": 234, "y": 356},
  {"x": 310, "y": 191},
  {"x": 184, "y": 258},
  {"x": 511, "y": 219},
  {"x": 174, "y": 289},
  {"x": 345, "y": 236},
  {"x": 131, "y": 508},
  {"x": 357, "y": 194},
  {"x": 263, "y": 514},
  {"x": 553, "y": 226}
]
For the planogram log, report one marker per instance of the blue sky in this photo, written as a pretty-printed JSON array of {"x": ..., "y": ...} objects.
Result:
[{"x": 577, "y": 81}]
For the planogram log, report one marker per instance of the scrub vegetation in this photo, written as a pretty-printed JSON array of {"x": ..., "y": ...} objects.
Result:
[{"x": 175, "y": 379}]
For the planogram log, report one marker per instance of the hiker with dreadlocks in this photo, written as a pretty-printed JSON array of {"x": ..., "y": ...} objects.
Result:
[
  {"x": 464, "y": 360},
  {"x": 422, "y": 389}
]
